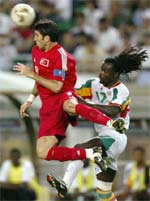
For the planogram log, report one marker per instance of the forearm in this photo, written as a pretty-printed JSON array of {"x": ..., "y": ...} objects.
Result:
[
  {"x": 52, "y": 85},
  {"x": 33, "y": 95},
  {"x": 34, "y": 90}
]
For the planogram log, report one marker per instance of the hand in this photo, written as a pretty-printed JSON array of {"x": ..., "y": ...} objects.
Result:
[
  {"x": 23, "y": 70},
  {"x": 23, "y": 109}
]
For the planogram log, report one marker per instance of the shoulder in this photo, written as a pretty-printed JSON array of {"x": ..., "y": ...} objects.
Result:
[
  {"x": 92, "y": 81},
  {"x": 122, "y": 87},
  {"x": 6, "y": 164},
  {"x": 35, "y": 48},
  {"x": 64, "y": 53}
]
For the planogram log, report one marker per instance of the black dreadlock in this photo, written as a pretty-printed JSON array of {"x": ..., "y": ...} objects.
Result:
[{"x": 128, "y": 60}]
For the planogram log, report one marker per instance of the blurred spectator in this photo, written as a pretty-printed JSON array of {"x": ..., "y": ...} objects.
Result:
[
  {"x": 144, "y": 75},
  {"x": 6, "y": 23},
  {"x": 92, "y": 14},
  {"x": 48, "y": 9},
  {"x": 22, "y": 38},
  {"x": 69, "y": 42},
  {"x": 80, "y": 25},
  {"x": 80, "y": 29},
  {"x": 138, "y": 15},
  {"x": 129, "y": 7},
  {"x": 137, "y": 177},
  {"x": 89, "y": 56},
  {"x": 108, "y": 36},
  {"x": 65, "y": 8},
  {"x": 104, "y": 5},
  {"x": 118, "y": 15},
  {"x": 125, "y": 40},
  {"x": 128, "y": 32},
  {"x": 146, "y": 46},
  {"x": 8, "y": 52},
  {"x": 144, "y": 28},
  {"x": 17, "y": 178},
  {"x": 146, "y": 18}
]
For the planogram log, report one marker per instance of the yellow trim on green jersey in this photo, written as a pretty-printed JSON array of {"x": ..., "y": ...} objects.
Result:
[
  {"x": 125, "y": 103},
  {"x": 85, "y": 90}
]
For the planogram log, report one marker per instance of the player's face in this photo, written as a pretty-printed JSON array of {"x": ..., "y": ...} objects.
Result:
[
  {"x": 106, "y": 74},
  {"x": 40, "y": 40}
]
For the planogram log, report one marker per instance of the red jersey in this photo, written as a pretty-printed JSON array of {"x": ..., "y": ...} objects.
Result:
[{"x": 55, "y": 64}]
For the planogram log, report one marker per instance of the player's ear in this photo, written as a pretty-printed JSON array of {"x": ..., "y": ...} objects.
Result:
[{"x": 47, "y": 38}]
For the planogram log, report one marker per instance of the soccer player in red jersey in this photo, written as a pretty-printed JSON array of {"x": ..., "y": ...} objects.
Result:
[{"x": 55, "y": 77}]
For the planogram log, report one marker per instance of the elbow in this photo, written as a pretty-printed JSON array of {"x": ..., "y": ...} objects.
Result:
[{"x": 57, "y": 89}]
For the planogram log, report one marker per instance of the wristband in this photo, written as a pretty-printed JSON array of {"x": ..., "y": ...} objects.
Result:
[{"x": 31, "y": 98}]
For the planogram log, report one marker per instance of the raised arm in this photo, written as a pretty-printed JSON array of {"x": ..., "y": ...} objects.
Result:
[{"x": 52, "y": 85}]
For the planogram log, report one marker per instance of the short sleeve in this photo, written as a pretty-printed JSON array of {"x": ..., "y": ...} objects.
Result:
[
  {"x": 60, "y": 65},
  {"x": 120, "y": 98},
  {"x": 85, "y": 90}
]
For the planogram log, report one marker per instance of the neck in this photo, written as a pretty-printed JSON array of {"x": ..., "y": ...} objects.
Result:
[
  {"x": 50, "y": 46},
  {"x": 110, "y": 84}
]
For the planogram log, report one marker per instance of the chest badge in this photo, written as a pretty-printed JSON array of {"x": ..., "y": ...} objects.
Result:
[{"x": 44, "y": 62}]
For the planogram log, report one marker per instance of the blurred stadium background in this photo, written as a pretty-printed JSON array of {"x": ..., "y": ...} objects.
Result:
[{"x": 91, "y": 30}]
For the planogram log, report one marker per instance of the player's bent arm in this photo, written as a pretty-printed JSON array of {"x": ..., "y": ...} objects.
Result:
[{"x": 52, "y": 85}]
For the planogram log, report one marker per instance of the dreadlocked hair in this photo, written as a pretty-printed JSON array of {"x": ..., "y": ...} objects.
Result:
[{"x": 128, "y": 60}]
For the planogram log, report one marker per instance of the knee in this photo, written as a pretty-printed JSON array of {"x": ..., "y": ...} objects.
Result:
[
  {"x": 69, "y": 106},
  {"x": 44, "y": 144},
  {"x": 41, "y": 152}
]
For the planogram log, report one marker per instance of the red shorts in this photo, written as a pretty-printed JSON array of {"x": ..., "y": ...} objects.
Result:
[{"x": 53, "y": 120}]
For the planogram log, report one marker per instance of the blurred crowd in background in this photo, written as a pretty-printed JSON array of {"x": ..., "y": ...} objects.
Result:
[{"x": 91, "y": 31}]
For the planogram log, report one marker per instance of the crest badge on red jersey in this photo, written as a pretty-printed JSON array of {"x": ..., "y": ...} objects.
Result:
[{"x": 44, "y": 62}]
